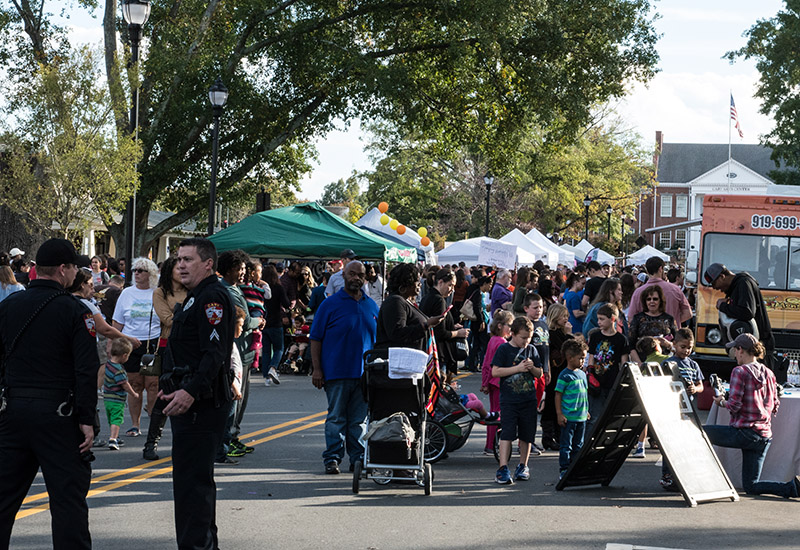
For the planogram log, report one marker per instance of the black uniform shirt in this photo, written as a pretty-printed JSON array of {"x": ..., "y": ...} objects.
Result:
[
  {"x": 202, "y": 339},
  {"x": 57, "y": 351}
]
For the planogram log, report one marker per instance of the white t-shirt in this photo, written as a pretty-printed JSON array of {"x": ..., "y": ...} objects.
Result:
[
  {"x": 133, "y": 310},
  {"x": 93, "y": 308}
]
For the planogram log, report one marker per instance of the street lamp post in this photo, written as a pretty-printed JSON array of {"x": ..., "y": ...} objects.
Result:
[
  {"x": 587, "y": 202},
  {"x": 609, "y": 211},
  {"x": 217, "y": 95},
  {"x": 136, "y": 13},
  {"x": 623, "y": 239},
  {"x": 488, "y": 179}
]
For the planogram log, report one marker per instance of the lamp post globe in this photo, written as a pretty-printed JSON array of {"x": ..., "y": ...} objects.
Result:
[
  {"x": 488, "y": 180},
  {"x": 218, "y": 96}
]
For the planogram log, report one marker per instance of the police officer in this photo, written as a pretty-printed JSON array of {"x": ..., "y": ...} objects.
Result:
[
  {"x": 197, "y": 387},
  {"x": 49, "y": 378}
]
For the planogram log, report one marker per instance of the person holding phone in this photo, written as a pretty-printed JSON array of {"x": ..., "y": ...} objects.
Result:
[{"x": 447, "y": 332}]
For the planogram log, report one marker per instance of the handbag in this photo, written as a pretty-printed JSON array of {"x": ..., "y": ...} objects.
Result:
[
  {"x": 150, "y": 364},
  {"x": 460, "y": 349},
  {"x": 468, "y": 309}
]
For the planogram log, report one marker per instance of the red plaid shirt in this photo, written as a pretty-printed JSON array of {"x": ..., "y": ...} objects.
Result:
[{"x": 753, "y": 398}]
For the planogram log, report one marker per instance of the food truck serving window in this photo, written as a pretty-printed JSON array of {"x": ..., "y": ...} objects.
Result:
[{"x": 773, "y": 261}]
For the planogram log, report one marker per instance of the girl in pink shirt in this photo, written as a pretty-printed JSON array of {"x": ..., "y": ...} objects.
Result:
[{"x": 500, "y": 329}]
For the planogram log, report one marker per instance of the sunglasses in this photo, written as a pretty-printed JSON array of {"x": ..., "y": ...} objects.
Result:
[
  {"x": 653, "y": 299},
  {"x": 139, "y": 270}
]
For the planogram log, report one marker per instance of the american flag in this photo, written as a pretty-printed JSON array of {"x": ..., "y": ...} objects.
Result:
[
  {"x": 433, "y": 372},
  {"x": 735, "y": 118}
]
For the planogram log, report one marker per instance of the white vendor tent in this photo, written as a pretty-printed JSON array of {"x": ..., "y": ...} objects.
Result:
[
  {"x": 565, "y": 257},
  {"x": 584, "y": 247},
  {"x": 372, "y": 221},
  {"x": 517, "y": 237},
  {"x": 643, "y": 254},
  {"x": 467, "y": 251}
]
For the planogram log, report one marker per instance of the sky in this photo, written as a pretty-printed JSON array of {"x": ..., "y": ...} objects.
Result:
[{"x": 688, "y": 100}]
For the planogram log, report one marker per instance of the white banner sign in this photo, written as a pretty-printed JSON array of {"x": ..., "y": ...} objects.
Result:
[{"x": 497, "y": 254}]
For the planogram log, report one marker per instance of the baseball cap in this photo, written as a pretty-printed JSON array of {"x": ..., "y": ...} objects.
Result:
[
  {"x": 712, "y": 272},
  {"x": 745, "y": 341},
  {"x": 642, "y": 277},
  {"x": 16, "y": 252},
  {"x": 55, "y": 252},
  {"x": 347, "y": 253}
]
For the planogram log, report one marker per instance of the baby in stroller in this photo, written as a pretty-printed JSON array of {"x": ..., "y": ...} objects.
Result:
[{"x": 296, "y": 356}]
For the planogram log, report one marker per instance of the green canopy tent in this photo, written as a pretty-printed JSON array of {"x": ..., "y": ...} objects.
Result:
[{"x": 307, "y": 231}]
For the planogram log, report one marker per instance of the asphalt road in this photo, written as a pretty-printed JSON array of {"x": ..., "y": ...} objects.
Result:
[{"x": 279, "y": 497}]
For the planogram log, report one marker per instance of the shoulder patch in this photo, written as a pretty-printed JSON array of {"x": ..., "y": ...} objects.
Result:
[
  {"x": 214, "y": 313},
  {"x": 88, "y": 320}
]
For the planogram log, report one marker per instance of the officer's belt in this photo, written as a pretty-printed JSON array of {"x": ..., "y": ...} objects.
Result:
[{"x": 38, "y": 393}]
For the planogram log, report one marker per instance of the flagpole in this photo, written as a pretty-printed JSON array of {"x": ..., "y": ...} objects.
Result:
[{"x": 729, "y": 146}]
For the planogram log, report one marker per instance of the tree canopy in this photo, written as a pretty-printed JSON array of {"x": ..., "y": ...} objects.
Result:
[
  {"x": 471, "y": 73},
  {"x": 774, "y": 43}
]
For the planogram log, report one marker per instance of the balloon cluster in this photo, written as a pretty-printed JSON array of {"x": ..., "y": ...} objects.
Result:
[{"x": 383, "y": 207}]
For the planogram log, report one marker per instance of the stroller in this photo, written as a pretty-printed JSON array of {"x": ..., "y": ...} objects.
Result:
[
  {"x": 450, "y": 426},
  {"x": 388, "y": 458}
]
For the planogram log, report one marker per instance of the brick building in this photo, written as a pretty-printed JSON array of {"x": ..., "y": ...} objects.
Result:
[{"x": 667, "y": 215}]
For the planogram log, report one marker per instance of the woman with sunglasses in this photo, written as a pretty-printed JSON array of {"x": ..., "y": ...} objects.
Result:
[
  {"x": 652, "y": 320},
  {"x": 135, "y": 316}
]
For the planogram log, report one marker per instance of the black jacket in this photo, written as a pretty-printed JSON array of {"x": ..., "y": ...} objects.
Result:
[
  {"x": 400, "y": 324},
  {"x": 202, "y": 340},
  {"x": 433, "y": 305},
  {"x": 58, "y": 349},
  {"x": 745, "y": 302}
]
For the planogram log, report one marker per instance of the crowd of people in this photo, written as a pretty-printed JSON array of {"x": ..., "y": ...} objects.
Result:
[{"x": 549, "y": 344}]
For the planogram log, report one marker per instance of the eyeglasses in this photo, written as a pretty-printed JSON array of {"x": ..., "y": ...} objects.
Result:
[{"x": 139, "y": 270}]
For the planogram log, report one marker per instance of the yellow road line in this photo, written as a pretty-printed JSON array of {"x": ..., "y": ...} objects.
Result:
[{"x": 162, "y": 471}]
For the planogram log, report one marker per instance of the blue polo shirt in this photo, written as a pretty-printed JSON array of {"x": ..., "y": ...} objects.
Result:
[{"x": 346, "y": 328}]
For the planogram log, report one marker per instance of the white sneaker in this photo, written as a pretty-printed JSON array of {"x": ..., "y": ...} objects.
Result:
[
  {"x": 274, "y": 376},
  {"x": 638, "y": 453},
  {"x": 267, "y": 382}
]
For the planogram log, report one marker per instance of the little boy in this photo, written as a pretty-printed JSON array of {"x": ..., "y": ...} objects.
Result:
[
  {"x": 116, "y": 387},
  {"x": 608, "y": 349},
  {"x": 517, "y": 364},
  {"x": 572, "y": 403},
  {"x": 231, "y": 448},
  {"x": 692, "y": 377},
  {"x": 533, "y": 305}
]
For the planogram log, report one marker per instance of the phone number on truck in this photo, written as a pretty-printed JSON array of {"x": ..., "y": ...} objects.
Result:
[{"x": 760, "y": 221}]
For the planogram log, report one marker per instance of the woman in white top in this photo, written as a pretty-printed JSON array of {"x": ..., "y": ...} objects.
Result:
[
  {"x": 8, "y": 283},
  {"x": 134, "y": 316}
]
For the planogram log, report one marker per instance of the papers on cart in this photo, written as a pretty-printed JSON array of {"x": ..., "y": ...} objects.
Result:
[{"x": 407, "y": 363}]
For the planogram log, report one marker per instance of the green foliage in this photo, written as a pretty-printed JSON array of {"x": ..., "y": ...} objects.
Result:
[
  {"x": 469, "y": 74},
  {"x": 345, "y": 193},
  {"x": 773, "y": 43},
  {"x": 545, "y": 189},
  {"x": 66, "y": 165}
]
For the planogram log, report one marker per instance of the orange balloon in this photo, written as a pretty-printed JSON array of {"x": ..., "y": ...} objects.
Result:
[
  {"x": 401, "y": 229},
  {"x": 425, "y": 241},
  {"x": 383, "y": 207}
]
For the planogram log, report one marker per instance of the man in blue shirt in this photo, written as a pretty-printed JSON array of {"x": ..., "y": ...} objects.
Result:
[{"x": 344, "y": 328}]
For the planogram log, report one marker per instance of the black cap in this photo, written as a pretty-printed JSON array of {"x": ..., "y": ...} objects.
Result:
[
  {"x": 713, "y": 272},
  {"x": 55, "y": 252},
  {"x": 349, "y": 254},
  {"x": 84, "y": 261}
]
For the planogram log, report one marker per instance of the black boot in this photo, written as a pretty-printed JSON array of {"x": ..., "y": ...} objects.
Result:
[{"x": 154, "y": 431}]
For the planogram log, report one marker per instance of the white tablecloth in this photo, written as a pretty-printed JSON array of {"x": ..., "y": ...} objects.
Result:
[{"x": 782, "y": 462}]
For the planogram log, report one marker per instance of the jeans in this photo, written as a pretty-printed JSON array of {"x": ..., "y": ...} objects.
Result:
[
  {"x": 477, "y": 348},
  {"x": 570, "y": 443},
  {"x": 344, "y": 425},
  {"x": 272, "y": 338},
  {"x": 754, "y": 449}
]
